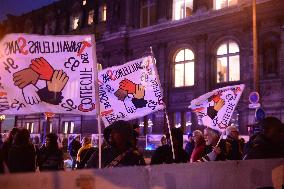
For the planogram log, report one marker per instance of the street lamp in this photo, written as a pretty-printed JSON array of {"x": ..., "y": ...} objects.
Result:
[
  {"x": 2, "y": 118},
  {"x": 255, "y": 48}
]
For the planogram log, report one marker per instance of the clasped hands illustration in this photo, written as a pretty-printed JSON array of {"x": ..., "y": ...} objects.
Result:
[
  {"x": 40, "y": 69},
  {"x": 137, "y": 91}
]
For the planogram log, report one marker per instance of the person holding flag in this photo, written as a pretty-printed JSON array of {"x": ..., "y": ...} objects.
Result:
[
  {"x": 214, "y": 110},
  {"x": 216, "y": 148}
]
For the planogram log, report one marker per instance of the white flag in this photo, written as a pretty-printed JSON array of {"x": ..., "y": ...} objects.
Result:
[
  {"x": 216, "y": 107},
  {"x": 129, "y": 91},
  {"x": 47, "y": 74}
]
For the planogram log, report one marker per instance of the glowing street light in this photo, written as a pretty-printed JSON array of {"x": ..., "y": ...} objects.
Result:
[{"x": 2, "y": 118}]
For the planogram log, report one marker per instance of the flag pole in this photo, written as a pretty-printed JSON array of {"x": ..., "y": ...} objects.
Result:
[
  {"x": 97, "y": 101},
  {"x": 166, "y": 113},
  {"x": 220, "y": 139},
  {"x": 170, "y": 132}
]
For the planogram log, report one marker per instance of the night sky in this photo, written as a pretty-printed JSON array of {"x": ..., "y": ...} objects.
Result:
[{"x": 18, "y": 7}]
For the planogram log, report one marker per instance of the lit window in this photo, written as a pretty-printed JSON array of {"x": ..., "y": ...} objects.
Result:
[
  {"x": 69, "y": 127},
  {"x": 91, "y": 17},
  {"x": 177, "y": 119},
  {"x": 228, "y": 62},
  {"x": 30, "y": 127},
  {"x": 50, "y": 128},
  {"x": 74, "y": 22},
  {"x": 72, "y": 127},
  {"x": 184, "y": 68},
  {"x": 103, "y": 13},
  {"x": 182, "y": 9},
  {"x": 66, "y": 127},
  {"x": 188, "y": 122},
  {"x": 84, "y": 2},
  {"x": 150, "y": 123},
  {"x": 148, "y": 13},
  {"x": 220, "y": 4}
]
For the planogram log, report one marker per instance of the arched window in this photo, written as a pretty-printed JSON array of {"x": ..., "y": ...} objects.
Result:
[
  {"x": 184, "y": 68},
  {"x": 228, "y": 62}
]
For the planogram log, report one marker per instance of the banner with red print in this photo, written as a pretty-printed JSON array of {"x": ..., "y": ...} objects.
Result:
[
  {"x": 215, "y": 109},
  {"x": 47, "y": 74},
  {"x": 129, "y": 91}
]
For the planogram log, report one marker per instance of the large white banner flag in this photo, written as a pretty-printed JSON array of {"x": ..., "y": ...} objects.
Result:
[
  {"x": 129, "y": 91},
  {"x": 47, "y": 74},
  {"x": 215, "y": 108}
]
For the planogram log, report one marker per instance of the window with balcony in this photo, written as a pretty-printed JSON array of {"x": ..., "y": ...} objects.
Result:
[
  {"x": 184, "y": 68},
  {"x": 220, "y": 4},
  {"x": 182, "y": 9},
  {"x": 228, "y": 62},
  {"x": 147, "y": 13}
]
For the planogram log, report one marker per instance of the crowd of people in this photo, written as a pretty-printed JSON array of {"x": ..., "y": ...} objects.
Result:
[{"x": 119, "y": 148}]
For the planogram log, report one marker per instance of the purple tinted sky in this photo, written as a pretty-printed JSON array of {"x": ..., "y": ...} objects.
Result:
[{"x": 18, "y": 7}]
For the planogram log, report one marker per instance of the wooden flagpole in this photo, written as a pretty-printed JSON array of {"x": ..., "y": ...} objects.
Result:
[
  {"x": 170, "y": 132},
  {"x": 98, "y": 111},
  {"x": 166, "y": 113},
  {"x": 220, "y": 139}
]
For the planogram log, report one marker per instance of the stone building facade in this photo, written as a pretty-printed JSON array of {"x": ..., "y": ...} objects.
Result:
[{"x": 199, "y": 45}]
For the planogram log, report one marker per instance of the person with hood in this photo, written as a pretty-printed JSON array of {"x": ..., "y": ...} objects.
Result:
[
  {"x": 22, "y": 154},
  {"x": 269, "y": 143},
  {"x": 163, "y": 154},
  {"x": 84, "y": 153},
  {"x": 121, "y": 150},
  {"x": 50, "y": 157}
]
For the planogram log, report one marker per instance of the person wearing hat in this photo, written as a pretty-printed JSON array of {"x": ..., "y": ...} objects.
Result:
[
  {"x": 269, "y": 143},
  {"x": 235, "y": 151},
  {"x": 121, "y": 150},
  {"x": 213, "y": 150}
]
